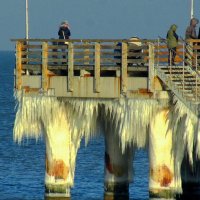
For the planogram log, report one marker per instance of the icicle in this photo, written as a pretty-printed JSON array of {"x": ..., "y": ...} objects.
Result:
[
  {"x": 184, "y": 124},
  {"x": 131, "y": 119},
  {"x": 84, "y": 118}
]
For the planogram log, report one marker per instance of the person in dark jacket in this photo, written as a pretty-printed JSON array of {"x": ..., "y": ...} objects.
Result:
[
  {"x": 199, "y": 33},
  {"x": 118, "y": 52},
  {"x": 199, "y": 42},
  {"x": 191, "y": 30},
  {"x": 172, "y": 43},
  {"x": 64, "y": 33},
  {"x": 190, "y": 33}
]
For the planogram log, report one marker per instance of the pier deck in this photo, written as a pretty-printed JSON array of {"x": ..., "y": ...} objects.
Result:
[{"x": 106, "y": 68}]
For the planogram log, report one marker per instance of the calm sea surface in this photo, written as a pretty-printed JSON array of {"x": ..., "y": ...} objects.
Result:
[{"x": 22, "y": 167}]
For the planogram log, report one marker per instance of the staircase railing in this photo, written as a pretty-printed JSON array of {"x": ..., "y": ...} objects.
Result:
[{"x": 184, "y": 78}]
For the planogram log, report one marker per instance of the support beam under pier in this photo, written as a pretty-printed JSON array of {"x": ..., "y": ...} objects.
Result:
[
  {"x": 190, "y": 179},
  {"x": 162, "y": 182},
  {"x": 118, "y": 168},
  {"x": 58, "y": 176}
]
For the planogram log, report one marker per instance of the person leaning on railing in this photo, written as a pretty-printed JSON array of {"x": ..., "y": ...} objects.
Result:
[
  {"x": 136, "y": 48},
  {"x": 172, "y": 43}
]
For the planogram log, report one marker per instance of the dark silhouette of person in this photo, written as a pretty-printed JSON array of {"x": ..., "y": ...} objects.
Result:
[{"x": 64, "y": 33}]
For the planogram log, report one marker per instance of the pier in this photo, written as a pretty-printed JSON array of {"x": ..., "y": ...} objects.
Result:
[{"x": 124, "y": 89}]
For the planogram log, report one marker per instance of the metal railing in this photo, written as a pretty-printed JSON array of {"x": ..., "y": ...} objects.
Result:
[{"x": 183, "y": 79}]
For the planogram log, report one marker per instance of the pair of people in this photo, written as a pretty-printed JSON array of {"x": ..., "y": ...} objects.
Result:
[{"x": 172, "y": 38}]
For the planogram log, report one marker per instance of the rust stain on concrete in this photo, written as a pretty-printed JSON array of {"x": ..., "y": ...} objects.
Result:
[
  {"x": 162, "y": 175},
  {"x": 57, "y": 168},
  {"x": 27, "y": 89},
  {"x": 117, "y": 170}
]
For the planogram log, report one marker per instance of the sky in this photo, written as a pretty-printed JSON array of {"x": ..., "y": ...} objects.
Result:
[{"x": 94, "y": 19}]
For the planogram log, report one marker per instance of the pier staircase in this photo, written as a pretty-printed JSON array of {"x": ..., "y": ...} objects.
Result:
[{"x": 182, "y": 79}]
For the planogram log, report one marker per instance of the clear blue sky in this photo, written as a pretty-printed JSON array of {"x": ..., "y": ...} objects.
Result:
[{"x": 110, "y": 19}]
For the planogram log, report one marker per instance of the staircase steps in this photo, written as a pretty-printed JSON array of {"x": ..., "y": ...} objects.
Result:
[{"x": 176, "y": 77}]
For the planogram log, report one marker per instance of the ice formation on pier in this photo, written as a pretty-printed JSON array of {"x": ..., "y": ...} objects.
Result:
[
  {"x": 185, "y": 134},
  {"x": 73, "y": 119},
  {"x": 80, "y": 118},
  {"x": 86, "y": 118}
]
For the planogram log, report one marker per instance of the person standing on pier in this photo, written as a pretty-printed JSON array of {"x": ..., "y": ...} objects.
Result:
[
  {"x": 199, "y": 33},
  {"x": 64, "y": 33},
  {"x": 172, "y": 43},
  {"x": 190, "y": 33},
  {"x": 64, "y": 30},
  {"x": 191, "y": 30}
]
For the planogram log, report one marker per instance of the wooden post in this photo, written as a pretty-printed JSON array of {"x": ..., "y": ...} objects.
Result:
[
  {"x": 151, "y": 68},
  {"x": 70, "y": 66},
  {"x": 97, "y": 68},
  {"x": 124, "y": 68},
  {"x": 44, "y": 66},
  {"x": 86, "y": 56},
  {"x": 18, "y": 83}
]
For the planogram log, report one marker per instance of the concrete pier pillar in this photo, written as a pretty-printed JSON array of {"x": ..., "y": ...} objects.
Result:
[
  {"x": 118, "y": 169},
  {"x": 190, "y": 179},
  {"x": 59, "y": 151},
  {"x": 162, "y": 183}
]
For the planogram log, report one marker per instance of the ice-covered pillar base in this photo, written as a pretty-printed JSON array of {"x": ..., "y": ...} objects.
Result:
[
  {"x": 190, "y": 180},
  {"x": 162, "y": 183},
  {"x": 59, "y": 151},
  {"x": 56, "y": 198},
  {"x": 118, "y": 168},
  {"x": 58, "y": 190}
]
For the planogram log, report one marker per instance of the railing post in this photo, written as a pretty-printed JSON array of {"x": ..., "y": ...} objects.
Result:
[
  {"x": 196, "y": 63},
  {"x": 18, "y": 83},
  {"x": 70, "y": 66},
  {"x": 158, "y": 51},
  {"x": 151, "y": 68},
  {"x": 86, "y": 56},
  {"x": 183, "y": 67},
  {"x": 170, "y": 64},
  {"x": 124, "y": 68},
  {"x": 45, "y": 66},
  {"x": 97, "y": 68}
]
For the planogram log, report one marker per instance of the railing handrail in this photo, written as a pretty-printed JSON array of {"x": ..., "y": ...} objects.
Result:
[
  {"x": 82, "y": 40},
  {"x": 96, "y": 40}
]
